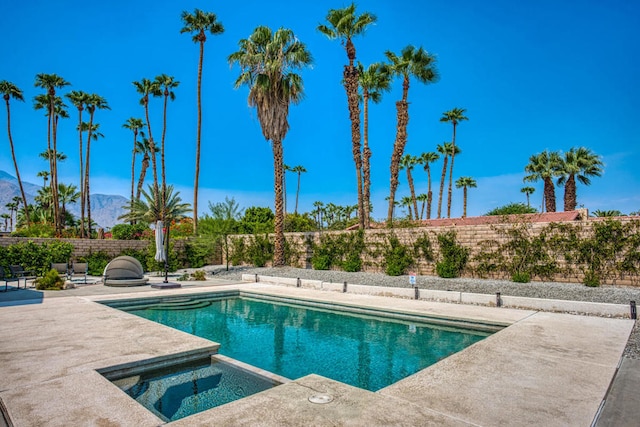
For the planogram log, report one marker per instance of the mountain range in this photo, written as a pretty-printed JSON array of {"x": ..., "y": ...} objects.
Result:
[{"x": 105, "y": 208}]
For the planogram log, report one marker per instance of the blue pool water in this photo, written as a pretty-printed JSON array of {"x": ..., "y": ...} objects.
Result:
[
  {"x": 180, "y": 390},
  {"x": 294, "y": 341}
]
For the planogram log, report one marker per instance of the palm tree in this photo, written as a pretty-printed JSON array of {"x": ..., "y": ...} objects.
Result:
[
  {"x": 319, "y": 210},
  {"x": 145, "y": 148},
  {"x": 446, "y": 149},
  {"x": 373, "y": 81},
  {"x": 267, "y": 61},
  {"x": 45, "y": 177},
  {"x": 93, "y": 133},
  {"x": 528, "y": 191},
  {"x": 544, "y": 166},
  {"x": 166, "y": 84},
  {"x": 93, "y": 102},
  {"x": 453, "y": 116},
  {"x": 407, "y": 202},
  {"x": 344, "y": 24},
  {"x": 299, "y": 170},
  {"x": 579, "y": 163},
  {"x": 199, "y": 23},
  {"x": 408, "y": 162},
  {"x": 68, "y": 194},
  {"x": 8, "y": 91},
  {"x": 426, "y": 159},
  {"x": 51, "y": 82},
  {"x": 79, "y": 100},
  {"x": 6, "y": 217},
  {"x": 465, "y": 182},
  {"x": 146, "y": 87},
  {"x": 134, "y": 125},
  {"x": 419, "y": 64},
  {"x": 423, "y": 198},
  {"x": 13, "y": 207},
  {"x": 606, "y": 214}
]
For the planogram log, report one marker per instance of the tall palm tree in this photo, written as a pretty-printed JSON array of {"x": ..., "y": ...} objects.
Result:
[
  {"x": 453, "y": 116},
  {"x": 426, "y": 159},
  {"x": 268, "y": 61},
  {"x": 446, "y": 149},
  {"x": 299, "y": 169},
  {"x": 93, "y": 134},
  {"x": 145, "y": 148},
  {"x": 465, "y": 182},
  {"x": 528, "y": 191},
  {"x": 407, "y": 202},
  {"x": 13, "y": 207},
  {"x": 319, "y": 210},
  {"x": 146, "y": 87},
  {"x": 373, "y": 81},
  {"x": 166, "y": 85},
  {"x": 544, "y": 166},
  {"x": 8, "y": 91},
  {"x": 199, "y": 23},
  {"x": 93, "y": 103},
  {"x": 79, "y": 100},
  {"x": 6, "y": 217},
  {"x": 51, "y": 82},
  {"x": 344, "y": 24},
  {"x": 134, "y": 125},
  {"x": 408, "y": 162},
  {"x": 68, "y": 194},
  {"x": 419, "y": 64},
  {"x": 45, "y": 177},
  {"x": 579, "y": 164}
]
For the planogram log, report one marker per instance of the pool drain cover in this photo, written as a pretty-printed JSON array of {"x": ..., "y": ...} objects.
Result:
[{"x": 320, "y": 398}]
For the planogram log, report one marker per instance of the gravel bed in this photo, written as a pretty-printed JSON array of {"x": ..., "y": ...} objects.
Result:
[{"x": 546, "y": 290}]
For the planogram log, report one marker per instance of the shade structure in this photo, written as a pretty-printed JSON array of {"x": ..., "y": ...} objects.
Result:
[{"x": 160, "y": 252}]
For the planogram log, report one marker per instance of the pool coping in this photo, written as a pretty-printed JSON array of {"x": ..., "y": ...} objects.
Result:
[{"x": 550, "y": 342}]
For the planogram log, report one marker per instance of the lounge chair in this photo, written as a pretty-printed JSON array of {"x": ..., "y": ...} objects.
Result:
[
  {"x": 20, "y": 273},
  {"x": 79, "y": 269},
  {"x": 62, "y": 268},
  {"x": 7, "y": 279}
]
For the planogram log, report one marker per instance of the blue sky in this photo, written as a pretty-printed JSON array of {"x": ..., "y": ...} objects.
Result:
[{"x": 532, "y": 75}]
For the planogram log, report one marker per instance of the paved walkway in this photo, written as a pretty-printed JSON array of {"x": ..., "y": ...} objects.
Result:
[{"x": 545, "y": 369}]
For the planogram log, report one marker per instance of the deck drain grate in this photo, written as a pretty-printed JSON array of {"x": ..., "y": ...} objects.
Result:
[{"x": 320, "y": 399}]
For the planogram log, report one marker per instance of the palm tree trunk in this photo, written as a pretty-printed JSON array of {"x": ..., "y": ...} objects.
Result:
[
  {"x": 54, "y": 155},
  {"x": 464, "y": 210},
  {"x": 549, "y": 195},
  {"x": 133, "y": 168},
  {"x": 278, "y": 168},
  {"x": 152, "y": 144},
  {"x": 297, "y": 194},
  {"x": 198, "y": 135},
  {"x": 442, "y": 177},
  {"x": 143, "y": 174},
  {"x": 413, "y": 192},
  {"x": 81, "y": 184},
  {"x": 402, "y": 108},
  {"x": 366, "y": 163},
  {"x": 570, "y": 194},
  {"x": 453, "y": 156},
  {"x": 351, "y": 87},
  {"x": 15, "y": 164},
  {"x": 164, "y": 131},
  {"x": 429, "y": 192}
]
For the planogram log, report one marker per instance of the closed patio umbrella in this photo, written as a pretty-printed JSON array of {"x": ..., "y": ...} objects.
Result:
[{"x": 160, "y": 252}]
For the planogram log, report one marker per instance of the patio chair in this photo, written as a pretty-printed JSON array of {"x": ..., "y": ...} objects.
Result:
[
  {"x": 19, "y": 272},
  {"x": 62, "y": 268},
  {"x": 7, "y": 279},
  {"x": 79, "y": 269}
]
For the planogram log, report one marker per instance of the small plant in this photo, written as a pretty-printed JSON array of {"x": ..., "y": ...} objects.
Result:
[
  {"x": 260, "y": 250},
  {"x": 199, "y": 275},
  {"x": 50, "y": 281},
  {"x": 591, "y": 279},
  {"x": 184, "y": 277},
  {"x": 521, "y": 277}
]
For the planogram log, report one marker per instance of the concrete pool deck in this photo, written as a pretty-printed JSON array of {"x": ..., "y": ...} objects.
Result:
[{"x": 545, "y": 369}]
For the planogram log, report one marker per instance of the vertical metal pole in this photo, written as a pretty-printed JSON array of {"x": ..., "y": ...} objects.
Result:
[
  {"x": 256, "y": 278},
  {"x": 634, "y": 313},
  {"x": 498, "y": 300},
  {"x": 298, "y": 283},
  {"x": 417, "y": 292},
  {"x": 344, "y": 287}
]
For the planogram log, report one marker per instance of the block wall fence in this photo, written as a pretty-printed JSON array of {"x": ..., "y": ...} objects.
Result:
[{"x": 469, "y": 236}]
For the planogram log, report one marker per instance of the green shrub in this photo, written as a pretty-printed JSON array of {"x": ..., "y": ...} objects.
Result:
[
  {"x": 38, "y": 258},
  {"x": 50, "y": 281},
  {"x": 97, "y": 261},
  {"x": 260, "y": 250},
  {"x": 397, "y": 257},
  {"x": 454, "y": 256},
  {"x": 342, "y": 250},
  {"x": 238, "y": 250},
  {"x": 521, "y": 277},
  {"x": 199, "y": 275},
  {"x": 130, "y": 232},
  {"x": 591, "y": 279},
  {"x": 353, "y": 263}
]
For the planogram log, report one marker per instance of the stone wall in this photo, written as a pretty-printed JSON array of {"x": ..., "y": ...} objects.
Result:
[{"x": 477, "y": 238}]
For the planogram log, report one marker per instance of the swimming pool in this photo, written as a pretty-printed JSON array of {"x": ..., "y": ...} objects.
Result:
[{"x": 291, "y": 338}]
